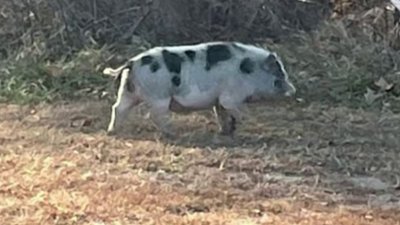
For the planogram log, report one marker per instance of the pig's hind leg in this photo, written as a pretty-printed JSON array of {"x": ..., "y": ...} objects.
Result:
[
  {"x": 126, "y": 100},
  {"x": 160, "y": 115}
]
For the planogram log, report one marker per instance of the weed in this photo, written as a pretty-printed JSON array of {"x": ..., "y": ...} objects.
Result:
[{"x": 33, "y": 81}]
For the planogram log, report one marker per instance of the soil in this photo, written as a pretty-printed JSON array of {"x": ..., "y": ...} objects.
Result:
[{"x": 290, "y": 163}]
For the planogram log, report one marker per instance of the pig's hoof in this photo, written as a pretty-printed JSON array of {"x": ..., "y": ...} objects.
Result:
[
  {"x": 111, "y": 132},
  {"x": 226, "y": 133}
]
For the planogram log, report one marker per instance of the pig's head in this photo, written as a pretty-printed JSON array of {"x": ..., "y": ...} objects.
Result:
[{"x": 275, "y": 81}]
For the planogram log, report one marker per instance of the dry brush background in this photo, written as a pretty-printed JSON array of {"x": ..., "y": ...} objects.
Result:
[{"x": 330, "y": 158}]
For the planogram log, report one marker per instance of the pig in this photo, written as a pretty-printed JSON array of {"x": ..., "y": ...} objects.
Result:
[{"x": 222, "y": 76}]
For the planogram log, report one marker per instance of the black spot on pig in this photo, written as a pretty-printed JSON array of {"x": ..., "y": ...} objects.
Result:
[
  {"x": 154, "y": 66},
  {"x": 190, "y": 54},
  {"x": 217, "y": 53},
  {"x": 173, "y": 61},
  {"x": 146, "y": 60},
  {"x": 176, "y": 81},
  {"x": 247, "y": 65}
]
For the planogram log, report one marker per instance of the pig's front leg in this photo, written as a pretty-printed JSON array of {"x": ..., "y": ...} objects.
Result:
[
  {"x": 231, "y": 110},
  {"x": 226, "y": 122}
]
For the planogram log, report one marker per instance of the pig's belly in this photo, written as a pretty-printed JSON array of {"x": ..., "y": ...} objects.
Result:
[{"x": 197, "y": 100}]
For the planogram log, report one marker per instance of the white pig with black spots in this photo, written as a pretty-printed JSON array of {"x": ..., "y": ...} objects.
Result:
[{"x": 223, "y": 76}]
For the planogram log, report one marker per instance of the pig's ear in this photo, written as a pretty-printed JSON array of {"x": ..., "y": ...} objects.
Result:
[{"x": 272, "y": 65}]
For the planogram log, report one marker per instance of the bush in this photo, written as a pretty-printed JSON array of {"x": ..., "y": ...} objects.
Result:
[{"x": 57, "y": 28}]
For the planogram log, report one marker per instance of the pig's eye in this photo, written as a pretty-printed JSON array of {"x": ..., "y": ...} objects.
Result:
[{"x": 278, "y": 84}]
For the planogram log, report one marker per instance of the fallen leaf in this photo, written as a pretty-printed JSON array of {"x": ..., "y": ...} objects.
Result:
[
  {"x": 129, "y": 145},
  {"x": 86, "y": 176},
  {"x": 68, "y": 164},
  {"x": 369, "y": 217},
  {"x": 81, "y": 122},
  {"x": 383, "y": 84},
  {"x": 370, "y": 96}
]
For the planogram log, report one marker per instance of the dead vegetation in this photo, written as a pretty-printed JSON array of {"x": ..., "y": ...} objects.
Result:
[
  {"x": 54, "y": 28},
  {"x": 330, "y": 158},
  {"x": 290, "y": 165},
  {"x": 51, "y": 29}
]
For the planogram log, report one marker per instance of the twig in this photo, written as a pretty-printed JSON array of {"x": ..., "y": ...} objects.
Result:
[
  {"x": 254, "y": 16},
  {"x": 64, "y": 18},
  {"x": 94, "y": 8},
  {"x": 138, "y": 22}
]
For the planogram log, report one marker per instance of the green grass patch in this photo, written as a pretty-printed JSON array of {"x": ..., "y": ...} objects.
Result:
[{"x": 31, "y": 81}]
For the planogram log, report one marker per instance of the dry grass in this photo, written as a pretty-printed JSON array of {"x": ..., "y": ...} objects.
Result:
[
  {"x": 293, "y": 164},
  {"x": 54, "y": 29},
  {"x": 332, "y": 159}
]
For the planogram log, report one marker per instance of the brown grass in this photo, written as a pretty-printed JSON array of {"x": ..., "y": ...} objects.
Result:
[
  {"x": 291, "y": 164},
  {"x": 332, "y": 159},
  {"x": 58, "y": 29}
]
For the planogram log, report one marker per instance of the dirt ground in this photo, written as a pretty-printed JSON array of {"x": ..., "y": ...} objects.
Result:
[{"x": 290, "y": 164}]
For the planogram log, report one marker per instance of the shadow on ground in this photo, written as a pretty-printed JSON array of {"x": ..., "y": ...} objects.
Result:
[{"x": 322, "y": 155}]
